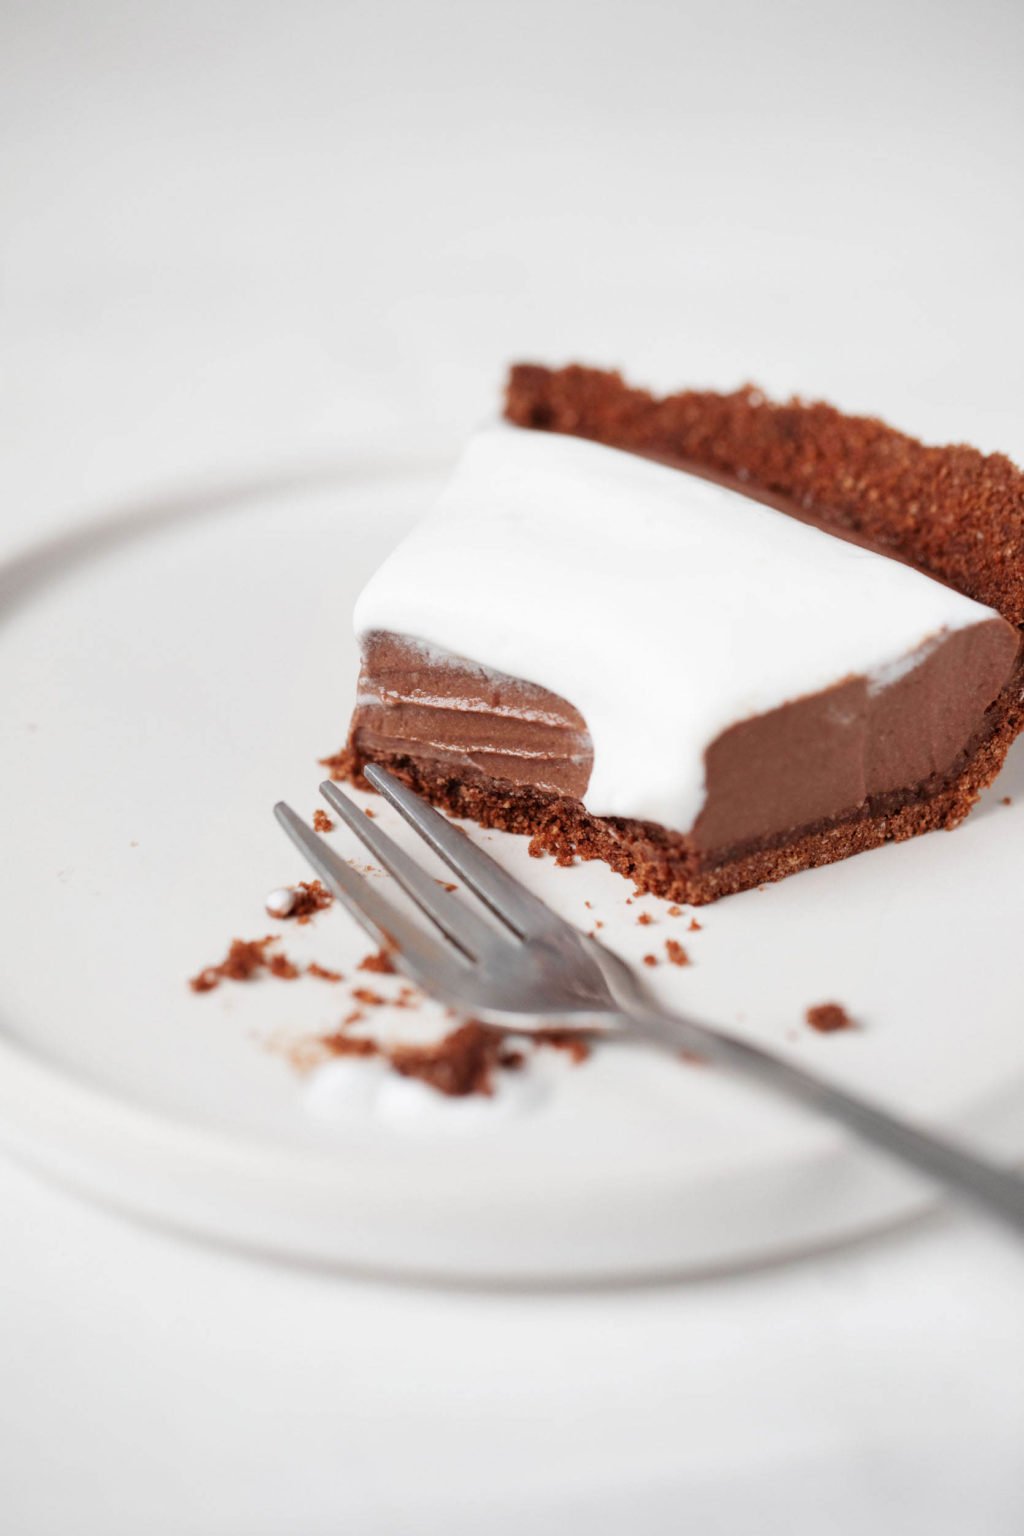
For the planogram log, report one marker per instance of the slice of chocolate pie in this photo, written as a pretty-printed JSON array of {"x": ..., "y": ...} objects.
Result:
[{"x": 708, "y": 639}]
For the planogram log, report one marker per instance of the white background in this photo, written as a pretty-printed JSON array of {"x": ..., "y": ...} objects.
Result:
[{"x": 238, "y": 237}]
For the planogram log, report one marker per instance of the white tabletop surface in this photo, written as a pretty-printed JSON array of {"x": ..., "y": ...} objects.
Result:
[{"x": 240, "y": 238}]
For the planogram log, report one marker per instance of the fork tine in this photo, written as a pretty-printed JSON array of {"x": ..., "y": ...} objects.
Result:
[
  {"x": 460, "y": 923},
  {"x": 521, "y": 911},
  {"x": 433, "y": 964}
]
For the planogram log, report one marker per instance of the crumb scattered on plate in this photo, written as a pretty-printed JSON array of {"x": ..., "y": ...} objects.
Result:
[
  {"x": 676, "y": 953},
  {"x": 827, "y": 1018},
  {"x": 245, "y": 959},
  {"x": 379, "y": 962}
]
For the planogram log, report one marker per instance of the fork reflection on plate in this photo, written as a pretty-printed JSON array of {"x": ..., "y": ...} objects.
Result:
[{"x": 531, "y": 967}]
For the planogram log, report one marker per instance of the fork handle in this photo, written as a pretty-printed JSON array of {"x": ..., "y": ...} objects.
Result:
[{"x": 998, "y": 1189}]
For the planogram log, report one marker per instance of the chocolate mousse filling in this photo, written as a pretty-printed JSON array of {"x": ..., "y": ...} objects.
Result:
[{"x": 816, "y": 779}]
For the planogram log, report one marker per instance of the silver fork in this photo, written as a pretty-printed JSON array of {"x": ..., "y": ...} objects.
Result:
[{"x": 533, "y": 968}]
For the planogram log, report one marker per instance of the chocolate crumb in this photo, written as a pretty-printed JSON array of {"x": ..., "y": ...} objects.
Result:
[
  {"x": 245, "y": 959},
  {"x": 463, "y": 1062},
  {"x": 827, "y": 1018},
  {"x": 370, "y": 998},
  {"x": 676, "y": 953},
  {"x": 695, "y": 927},
  {"x": 340, "y": 1044},
  {"x": 589, "y": 906},
  {"x": 446, "y": 885},
  {"x": 572, "y": 1041},
  {"x": 645, "y": 919},
  {"x": 675, "y": 911},
  {"x": 460, "y": 1064},
  {"x": 650, "y": 959},
  {"x": 312, "y": 969},
  {"x": 1006, "y": 800},
  {"x": 379, "y": 962},
  {"x": 310, "y": 897},
  {"x": 367, "y": 812},
  {"x": 321, "y": 821}
]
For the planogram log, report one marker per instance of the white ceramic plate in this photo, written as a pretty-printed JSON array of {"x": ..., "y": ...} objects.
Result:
[{"x": 164, "y": 679}]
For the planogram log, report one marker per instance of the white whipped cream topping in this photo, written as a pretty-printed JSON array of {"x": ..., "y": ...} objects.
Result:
[{"x": 613, "y": 581}]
